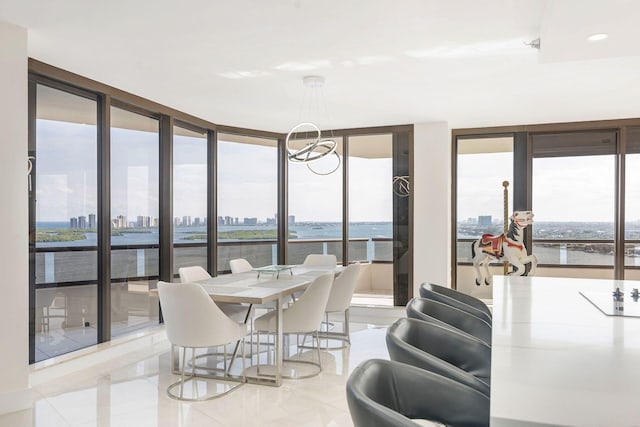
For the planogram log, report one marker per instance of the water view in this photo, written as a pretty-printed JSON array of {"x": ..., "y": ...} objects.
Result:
[{"x": 54, "y": 234}]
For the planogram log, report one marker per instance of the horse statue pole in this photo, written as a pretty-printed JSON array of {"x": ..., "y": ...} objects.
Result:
[{"x": 505, "y": 193}]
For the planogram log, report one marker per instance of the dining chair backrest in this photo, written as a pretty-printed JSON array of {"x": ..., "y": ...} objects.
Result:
[
  {"x": 193, "y": 274},
  {"x": 385, "y": 393},
  {"x": 239, "y": 265},
  {"x": 442, "y": 350},
  {"x": 191, "y": 317},
  {"x": 445, "y": 315},
  {"x": 436, "y": 296},
  {"x": 460, "y": 296},
  {"x": 343, "y": 287},
  {"x": 319, "y": 260},
  {"x": 305, "y": 315}
]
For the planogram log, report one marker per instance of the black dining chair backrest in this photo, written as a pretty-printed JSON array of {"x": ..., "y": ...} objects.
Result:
[
  {"x": 435, "y": 296},
  {"x": 442, "y": 350},
  {"x": 384, "y": 393},
  {"x": 457, "y": 295},
  {"x": 445, "y": 315}
]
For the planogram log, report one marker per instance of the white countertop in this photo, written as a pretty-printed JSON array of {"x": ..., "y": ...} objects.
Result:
[{"x": 558, "y": 360}]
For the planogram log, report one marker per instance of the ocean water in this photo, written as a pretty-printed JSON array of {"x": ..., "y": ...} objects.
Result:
[{"x": 320, "y": 231}]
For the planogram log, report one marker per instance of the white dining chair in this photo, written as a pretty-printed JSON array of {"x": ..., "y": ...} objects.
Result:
[
  {"x": 318, "y": 260},
  {"x": 239, "y": 265},
  {"x": 238, "y": 312},
  {"x": 340, "y": 300},
  {"x": 302, "y": 317},
  {"x": 192, "y": 320}
]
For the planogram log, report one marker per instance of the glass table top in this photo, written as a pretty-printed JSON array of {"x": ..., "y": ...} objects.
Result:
[{"x": 273, "y": 269}]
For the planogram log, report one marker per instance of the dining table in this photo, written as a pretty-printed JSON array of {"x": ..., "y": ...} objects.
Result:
[
  {"x": 256, "y": 288},
  {"x": 565, "y": 352}
]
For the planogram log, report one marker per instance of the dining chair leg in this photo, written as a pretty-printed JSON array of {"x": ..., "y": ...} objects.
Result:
[
  {"x": 184, "y": 364},
  {"x": 318, "y": 347},
  {"x": 346, "y": 326}
]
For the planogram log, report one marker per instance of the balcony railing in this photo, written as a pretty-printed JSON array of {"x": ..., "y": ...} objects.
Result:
[
  {"x": 584, "y": 253},
  {"x": 77, "y": 265}
]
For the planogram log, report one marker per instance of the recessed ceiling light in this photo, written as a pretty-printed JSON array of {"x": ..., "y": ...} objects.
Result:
[{"x": 597, "y": 37}]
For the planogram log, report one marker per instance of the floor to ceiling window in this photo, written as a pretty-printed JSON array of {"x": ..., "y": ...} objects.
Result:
[
  {"x": 370, "y": 230},
  {"x": 134, "y": 220},
  {"x": 247, "y": 200},
  {"x": 103, "y": 229},
  {"x": 632, "y": 205},
  {"x": 573, "y": 198},
  {"x": 65, "y": 222},
  {"x": 579, "y": 180},
  {"x": 189, "y": 198},
  {"x": 482, "y": 166},
  {"x": 315, "y": 207}
]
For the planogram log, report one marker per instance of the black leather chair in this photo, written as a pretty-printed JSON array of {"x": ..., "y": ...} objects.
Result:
[
  {"x": 442, "y": 350},
  {"x": 447, "y": 316},
  {"x": 435, "y": 296},
  {"x": 384, "y": 393},
  {"x": 457, "y": 295}
]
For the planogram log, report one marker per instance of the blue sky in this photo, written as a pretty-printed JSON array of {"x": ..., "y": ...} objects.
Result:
[{"x": 247, "y": 179}]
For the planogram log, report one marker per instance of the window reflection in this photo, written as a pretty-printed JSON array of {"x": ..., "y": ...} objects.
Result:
[
  {"x": 66, "y": 214},
  {"x": 189, "y": 198},
  {"x": 134, "y": 221},
  {"x": 247, "y": 200}
]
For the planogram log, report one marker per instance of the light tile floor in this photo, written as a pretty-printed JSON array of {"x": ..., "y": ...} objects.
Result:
[{"x": 130, "y": 390}]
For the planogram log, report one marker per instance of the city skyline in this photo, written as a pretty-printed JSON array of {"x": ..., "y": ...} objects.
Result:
[{"x": 66, "y": 181}]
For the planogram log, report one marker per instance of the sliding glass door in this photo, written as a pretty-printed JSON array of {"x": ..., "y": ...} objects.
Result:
[{"x": 64, "y": 181}]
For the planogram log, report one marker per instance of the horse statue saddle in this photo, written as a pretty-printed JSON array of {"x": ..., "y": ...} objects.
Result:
[{"x": 492, "y": 245}]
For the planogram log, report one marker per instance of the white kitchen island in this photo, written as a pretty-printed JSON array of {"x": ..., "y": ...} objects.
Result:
[{"x": 559, "y": 360}]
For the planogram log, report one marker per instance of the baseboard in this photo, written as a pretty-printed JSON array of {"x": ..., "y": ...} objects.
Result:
[{"x": 15, "y": 401}]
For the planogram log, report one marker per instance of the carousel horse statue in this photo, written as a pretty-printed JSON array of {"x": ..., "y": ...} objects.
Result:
[{"x": 507, "y": 245}]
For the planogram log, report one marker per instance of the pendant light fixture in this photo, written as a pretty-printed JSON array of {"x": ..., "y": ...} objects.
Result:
[{"x": 318, "y": 147}]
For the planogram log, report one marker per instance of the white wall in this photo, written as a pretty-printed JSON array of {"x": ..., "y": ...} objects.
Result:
[
  {"x": 431, "y": 188},
  {"x": 14, "y": 286}
]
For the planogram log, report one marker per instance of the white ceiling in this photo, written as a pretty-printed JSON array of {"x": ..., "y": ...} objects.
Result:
[{"x": 240, "y": 62}]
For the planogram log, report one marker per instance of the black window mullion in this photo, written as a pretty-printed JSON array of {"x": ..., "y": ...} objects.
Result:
[
  {"x": 283, "y": 203},
  {"x": 32, "y": 220},
  {"x": 212, "y": 202},
  {"x": 165, "y": 253},
  {"x": 104, "y": 219},
  {"x": 345, "y": 200}
]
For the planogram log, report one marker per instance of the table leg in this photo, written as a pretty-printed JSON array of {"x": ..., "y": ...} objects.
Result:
[
  {"x": 235, "y": 350},
  {"x": 279, "y": 341}
]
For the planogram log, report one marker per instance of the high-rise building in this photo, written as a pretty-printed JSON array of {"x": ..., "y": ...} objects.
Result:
[
  {"x": 196, "y": 221},
  {"x": 121, "y": 222},
  {"x": 250, "y": 221},
  {"x": 82, "y": 222},
  {"x": 484, "y": 220},
  {"x": 220, "y": 220},
  {"x": 186, "y": 221},
  {"x": 176, "y": 222},
  {"x": 228, "y": 220},
  {"x": 73, "y": 222},
  {"x": 92, "y": 221},
  {"x": 237, "y": 221},
  {"x": 292, "y": 220}
]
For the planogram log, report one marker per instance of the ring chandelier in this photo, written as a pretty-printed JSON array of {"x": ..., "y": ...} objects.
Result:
[{"x": 319, "y": 147}]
